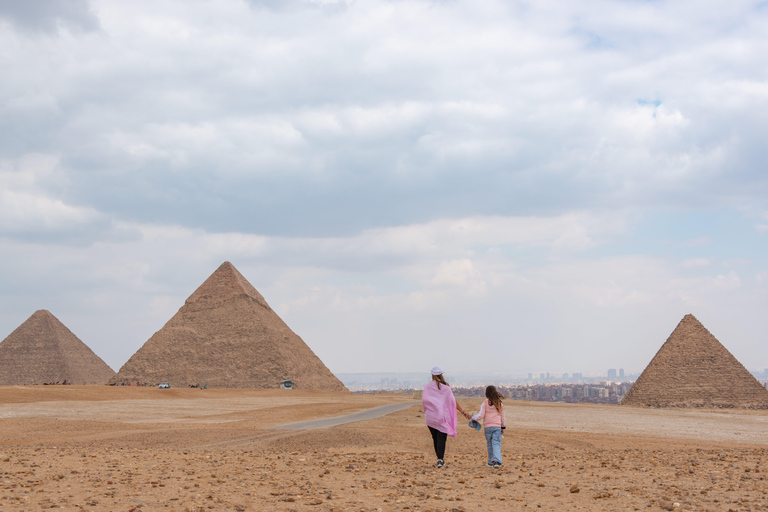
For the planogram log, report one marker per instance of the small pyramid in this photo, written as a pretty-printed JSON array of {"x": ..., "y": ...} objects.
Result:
[
  {"x": 226, "y": 336},
  {"x": 693, "y": 369},
  {"x": 42, "y": 350}
]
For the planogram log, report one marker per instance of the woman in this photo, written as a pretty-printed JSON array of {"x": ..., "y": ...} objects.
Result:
[{"x": 440, "y": 408}]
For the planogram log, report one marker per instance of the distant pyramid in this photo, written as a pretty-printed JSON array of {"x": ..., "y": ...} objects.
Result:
[
  {"x": 42, "y": 350},
  {"x": 227, "y": 336},
  {"x": 692, "y": 369}
]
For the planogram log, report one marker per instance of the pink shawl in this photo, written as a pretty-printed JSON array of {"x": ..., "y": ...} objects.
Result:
[{"x": 439, "y": 408}]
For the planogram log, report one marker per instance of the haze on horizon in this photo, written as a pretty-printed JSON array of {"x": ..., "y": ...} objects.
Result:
[{"x": 487, "y": 186}]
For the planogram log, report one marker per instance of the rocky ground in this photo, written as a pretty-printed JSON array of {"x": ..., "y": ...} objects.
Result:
[{"x": 199, "y": 450}]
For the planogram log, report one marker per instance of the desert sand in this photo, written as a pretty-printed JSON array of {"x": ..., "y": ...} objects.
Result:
[{"x": 143, "y": 449}]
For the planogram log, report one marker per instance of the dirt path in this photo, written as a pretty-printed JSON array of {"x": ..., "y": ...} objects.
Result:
[{"x": 368, "y": 414}]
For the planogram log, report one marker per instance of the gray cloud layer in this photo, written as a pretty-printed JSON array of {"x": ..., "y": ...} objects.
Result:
[
  {"x": 305, "y": 122},
  {"x": 45, "y": 16}
]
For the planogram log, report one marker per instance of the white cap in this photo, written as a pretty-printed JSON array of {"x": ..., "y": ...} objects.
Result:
[{"x": 436, "y": 370}]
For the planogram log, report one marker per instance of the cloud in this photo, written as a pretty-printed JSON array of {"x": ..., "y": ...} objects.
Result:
[
  {"x": 49, "y": 17},
  {"x": 498, "y": 284},
  {"x": 210, "y": 117},
  {"x": 30, "y": 208},
  {"x": 456, "y": 273},
  {"x": 696, "y": 262}
]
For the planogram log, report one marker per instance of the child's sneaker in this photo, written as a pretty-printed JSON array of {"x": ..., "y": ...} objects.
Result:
[
  {"x": 490, "y": 464},
  {"x": 440, "y": 463},
  {"x": 496, "y": 464}
]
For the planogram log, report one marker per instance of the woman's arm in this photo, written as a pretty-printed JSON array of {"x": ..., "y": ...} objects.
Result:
[{"x": 462, "y": 411}]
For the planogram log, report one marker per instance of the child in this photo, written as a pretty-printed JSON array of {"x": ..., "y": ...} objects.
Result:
[{"x": 492, "y": 414}]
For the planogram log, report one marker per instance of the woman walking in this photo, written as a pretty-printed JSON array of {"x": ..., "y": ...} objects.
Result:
[
  {"x": 492, "y": 414},
  {"x": 440, "y": 408}
]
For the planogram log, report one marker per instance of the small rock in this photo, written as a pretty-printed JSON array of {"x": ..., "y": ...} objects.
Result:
[
  {"x": 575, "y": 489},
  {"x": 666, "y": 505}
]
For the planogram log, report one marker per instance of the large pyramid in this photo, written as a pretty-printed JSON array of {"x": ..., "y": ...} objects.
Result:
[
  {"x": 226, "y": 336},
  {"x": 692, "y": 369},
  {"x": 42, "y": 350}
]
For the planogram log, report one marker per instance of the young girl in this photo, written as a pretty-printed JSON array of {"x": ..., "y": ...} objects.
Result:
[{"x": 492, "y": 414}]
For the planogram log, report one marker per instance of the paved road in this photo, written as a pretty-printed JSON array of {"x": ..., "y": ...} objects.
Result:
[{"x": 368, "y": 414}]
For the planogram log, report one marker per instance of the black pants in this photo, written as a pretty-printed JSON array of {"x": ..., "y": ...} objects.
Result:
[{"x": 438, "y": 438}]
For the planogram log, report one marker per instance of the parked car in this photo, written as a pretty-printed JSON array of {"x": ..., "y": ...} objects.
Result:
[{"x": 164, "y": 385}]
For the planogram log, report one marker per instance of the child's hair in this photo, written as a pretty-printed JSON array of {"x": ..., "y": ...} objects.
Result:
[
  {"x": 494, "y": 397},
  {"x": 440, "y": 380}
]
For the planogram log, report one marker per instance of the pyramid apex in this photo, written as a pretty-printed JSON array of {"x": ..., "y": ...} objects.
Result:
[
  {"x": 226, "y": 281},
  {"x": 42, "y": 315}
]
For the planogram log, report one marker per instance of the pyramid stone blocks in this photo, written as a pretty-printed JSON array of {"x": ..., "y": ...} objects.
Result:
[
  {"x": 693, "y": 369},
  {"x": 227, "y": 336},
  {"x": 42, "y": 350}
]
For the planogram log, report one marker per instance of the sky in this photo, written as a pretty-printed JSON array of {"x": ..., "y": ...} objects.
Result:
[{"x": 502, "y": 186}]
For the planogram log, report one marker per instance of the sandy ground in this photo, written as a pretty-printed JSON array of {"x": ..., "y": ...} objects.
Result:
[{"x": 143, "y": 449}]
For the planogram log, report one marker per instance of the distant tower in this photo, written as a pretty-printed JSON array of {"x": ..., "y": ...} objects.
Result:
[
  {"x": 612, "y": 373},
  {"x": 621, "y": 373}
]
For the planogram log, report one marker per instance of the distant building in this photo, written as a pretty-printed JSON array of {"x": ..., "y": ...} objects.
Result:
[
  {"x": 621, "y": 373},
  {"x": 612, "y": 374}
]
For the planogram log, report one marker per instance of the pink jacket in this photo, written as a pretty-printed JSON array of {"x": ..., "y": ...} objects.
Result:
[
  {"x": 439, "y": 408},
  {"x": 490, "y": 416}
]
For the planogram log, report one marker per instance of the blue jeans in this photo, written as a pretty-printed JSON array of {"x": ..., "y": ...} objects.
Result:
[{"x": 493, "y": 438}]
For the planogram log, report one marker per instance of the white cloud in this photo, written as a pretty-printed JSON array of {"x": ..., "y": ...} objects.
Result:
[
  {"x": 696, "y": 262},
  {"x": 27, "y": 205},
  {"x": 459, "y": 273}
]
